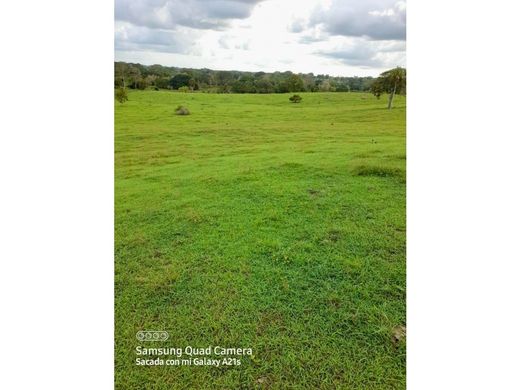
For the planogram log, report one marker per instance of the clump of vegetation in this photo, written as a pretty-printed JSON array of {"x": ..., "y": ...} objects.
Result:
[
  {"x": 181, "y": 110},
  {"x": 377, "y": 170},
  {"x": 295, "y": 98},
  {"x": 121, "y": 95},
  {"x": 156, "y": 88},
  {"x": 183, "y": 89}
]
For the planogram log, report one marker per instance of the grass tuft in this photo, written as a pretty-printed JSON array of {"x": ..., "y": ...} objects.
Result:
[
  {"x": 181, "y": 110},
  {"x": 377, "y": 170}
]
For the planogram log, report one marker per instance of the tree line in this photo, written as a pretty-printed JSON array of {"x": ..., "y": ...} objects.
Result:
[{"x": 138, "y": 76}]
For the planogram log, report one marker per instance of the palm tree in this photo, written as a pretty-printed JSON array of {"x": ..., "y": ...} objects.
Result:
[{"x": 392, "y": 81}]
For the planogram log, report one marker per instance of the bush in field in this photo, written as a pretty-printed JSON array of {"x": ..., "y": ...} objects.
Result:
[
  {"x": 156, "y": 88},
  {"x": 181, "y": 110},
  {"x": 183, "y": 89},
  {"x": 295, "y": 98},
  {"x": 121, "y": 95}
]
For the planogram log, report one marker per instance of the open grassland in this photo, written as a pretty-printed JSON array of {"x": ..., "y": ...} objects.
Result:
[{"x": 255, "y": 222}]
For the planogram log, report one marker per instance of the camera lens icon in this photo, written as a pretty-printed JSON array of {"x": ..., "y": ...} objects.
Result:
[{"x": 152, "y": 335}]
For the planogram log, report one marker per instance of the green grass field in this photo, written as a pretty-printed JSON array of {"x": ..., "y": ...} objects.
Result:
[{"x": 255, "y": 222}]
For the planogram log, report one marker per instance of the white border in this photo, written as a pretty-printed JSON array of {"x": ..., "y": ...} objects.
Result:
[
  {"x": 56, "y": 159},
  {"x": 463, "y": 196}
]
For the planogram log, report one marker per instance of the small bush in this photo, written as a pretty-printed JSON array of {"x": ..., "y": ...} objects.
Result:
[
  {"x": 181, "y": 110},
  {"x": 156, "y": 88},
  {"x": 295, "y": 98},
  {"x": 121, "y": 95},
  {"x": 183, "y": 89}
]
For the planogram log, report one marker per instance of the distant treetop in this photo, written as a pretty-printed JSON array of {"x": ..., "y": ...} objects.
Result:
[{"x": 137, "y": 76}]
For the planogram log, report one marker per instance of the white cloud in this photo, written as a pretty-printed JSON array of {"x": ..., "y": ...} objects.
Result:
[
  {"x": 139, "y": 38},
  {"x": 374, "y": 19},
  {"x": 270, "y": 35},
  {"x": 169, "y": 14},
  {"x": 369, "y": 54}
]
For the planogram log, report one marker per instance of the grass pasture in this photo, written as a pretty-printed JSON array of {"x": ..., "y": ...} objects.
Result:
[{"x": 256, "y": 222}]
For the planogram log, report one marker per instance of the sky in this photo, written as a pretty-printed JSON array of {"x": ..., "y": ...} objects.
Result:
[{"x": 335, "y": 37}]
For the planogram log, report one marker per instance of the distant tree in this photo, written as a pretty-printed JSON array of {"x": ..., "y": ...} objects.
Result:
[
  {"x": 221, "y": 77},
  {"x": 192, "y": 84},
  {"x": 281, "y": 86},
  {"x": 141, "y": 83},
  {"x": 150, "y": 79},
  {"x": 245, "y": 84},
  {"x": 203, "y": 78},
  {"x": 126, "y": 75},
  {"x": 263, "y": 85},
  {"x": 366, "y": 83},
  {"x": 343, "y": 87},
  {"x": 162, "y": 83},
  {"x": 295, "y": 83},
  {"x": 355, "y": 84},
  {"x": 121, "y": 95},
  {"x": 392, "y": 81},
  {"x": 224, "y": 79},
  {"x": 309, "y": 83},
  {"x": 180, "y": 80},
  {"x": 133, "y": 75},
  {"x": 120, "y": 74},
  {"x": 377, "y": 88},
  {"x": 326, "y": 86}
]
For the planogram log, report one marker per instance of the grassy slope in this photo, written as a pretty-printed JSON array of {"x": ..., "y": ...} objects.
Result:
[{"x": 259, "y": 223}]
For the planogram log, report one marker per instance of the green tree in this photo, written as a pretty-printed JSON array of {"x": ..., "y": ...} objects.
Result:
[
  {"x": 120, "y": 74},
  {"x": 193, "y": 84},
  {"x": 121, "y": 95},
  {"x": 246, "y": 84},
  {"x": 141, "y": 83},
  {"x": 392, "y": 81},
  {"x": 162, "y": 83},
  {"x": 134, "y": 76},
  {"x": 326, "y": 86},
  {"x": 263, "y": 85},
  {"x": 126, "y": 75},
  {"x": 180, "y": 80},
  {"x": 295, "y": 83}
]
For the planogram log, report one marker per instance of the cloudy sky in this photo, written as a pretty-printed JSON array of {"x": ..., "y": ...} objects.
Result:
[{"x": 337, "y": 37}]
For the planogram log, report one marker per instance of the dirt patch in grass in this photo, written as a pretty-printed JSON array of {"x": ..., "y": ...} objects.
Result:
[{"x": 398, "y": 335}]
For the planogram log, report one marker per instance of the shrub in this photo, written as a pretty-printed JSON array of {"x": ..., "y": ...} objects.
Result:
[
  {"x": 295, "y": 98},
  {"x": 183, "y": 89},
  {"x": 181, "y": 110},
  {"x": 156, "y": 88},
  {"x": 121, "y": 95}
]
